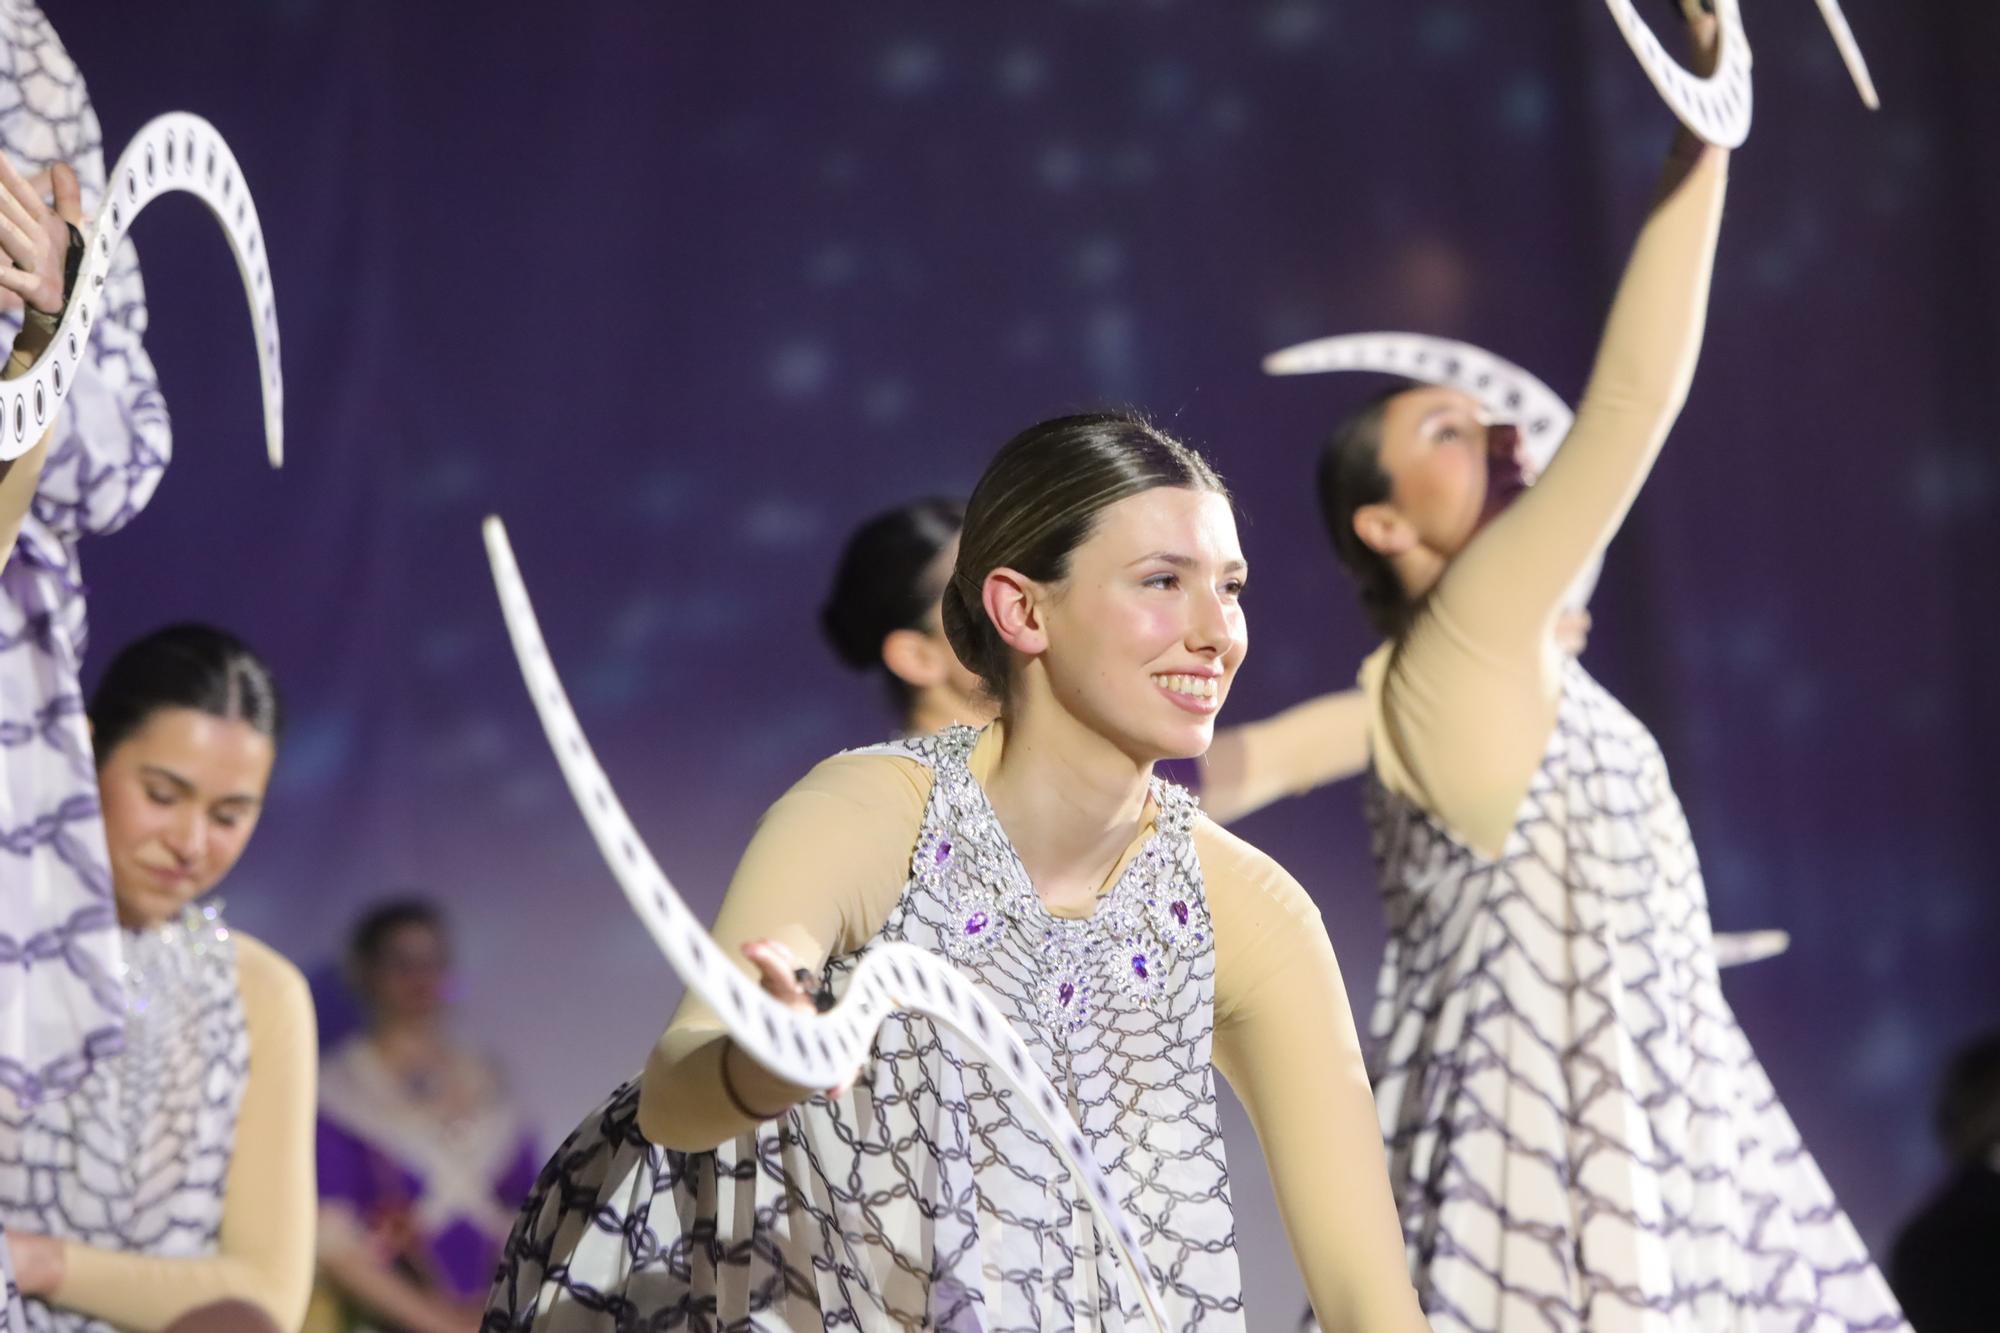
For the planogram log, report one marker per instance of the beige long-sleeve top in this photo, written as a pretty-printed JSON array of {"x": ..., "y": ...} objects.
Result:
[
  {"x": 1464, "y": 701},
  {"x": 829, "y": 862},
  {"x": 1288, "y": 754},
  {"x": 265, "y": 1253}
]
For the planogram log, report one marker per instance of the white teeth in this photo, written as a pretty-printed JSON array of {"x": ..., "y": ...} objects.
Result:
[{"x": 1195, "y": 687}]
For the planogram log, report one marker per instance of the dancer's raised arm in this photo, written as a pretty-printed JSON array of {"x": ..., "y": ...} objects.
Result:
[{"x": 1475, "y": 562}]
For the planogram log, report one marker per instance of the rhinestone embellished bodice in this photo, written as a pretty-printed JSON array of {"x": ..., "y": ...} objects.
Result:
[
  {"x": 923, "y": 1197},
  {"x": 136, "y": 1159}
]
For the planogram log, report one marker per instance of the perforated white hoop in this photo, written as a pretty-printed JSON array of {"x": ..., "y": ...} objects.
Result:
[
  {"x": 812, "y": 1050},
  {"x": 1743, "y": 947},
  {"x": 1504, "y": 390},
  {"x": 173, "y": 152},
  {"x": 1718, "y": 107},
  {"x": 1850, "y": 53}
]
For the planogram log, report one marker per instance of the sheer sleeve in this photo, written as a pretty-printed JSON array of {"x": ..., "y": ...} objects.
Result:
[
  {"x": 265, "y": 1252},
  {"x": 821, "y": 874},
  {"x": 1287, "y": 754},
  {"x": 1285, "y": 1040}
]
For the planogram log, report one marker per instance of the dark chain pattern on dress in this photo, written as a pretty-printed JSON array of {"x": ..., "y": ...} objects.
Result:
[
  {"x": 58, "y": 935},
  {"x": 1580, "y": 1137},
  {"x": 136, "y": 1158},
  {"x": 920, "y": 1199}
]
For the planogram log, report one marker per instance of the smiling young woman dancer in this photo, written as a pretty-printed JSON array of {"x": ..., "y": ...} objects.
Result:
[
  {"x": 1580, "y": 1136},
  {"x": 885, "y": 615},
  {"x": 1130, "y": 941}
]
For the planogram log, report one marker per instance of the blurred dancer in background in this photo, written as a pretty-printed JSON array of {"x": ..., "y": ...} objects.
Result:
[{"x": 423, "y": 1159}]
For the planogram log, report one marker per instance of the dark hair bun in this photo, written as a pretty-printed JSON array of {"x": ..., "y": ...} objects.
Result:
[{"x": 882, "y": 583}]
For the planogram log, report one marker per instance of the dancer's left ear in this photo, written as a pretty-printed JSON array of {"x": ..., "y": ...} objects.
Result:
[
  {"x": 1015, "y": 604},
  {"x": 1383, "y": 530},
  {"x": 916, "y": 658}
]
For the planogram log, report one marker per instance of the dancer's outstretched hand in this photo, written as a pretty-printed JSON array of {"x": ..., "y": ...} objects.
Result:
[
  {"x": 35, "y": 236},
  {"x": 778, "y": 971}
]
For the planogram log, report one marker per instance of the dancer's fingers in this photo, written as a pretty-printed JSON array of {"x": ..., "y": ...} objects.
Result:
[
  {"x": 776, "y": 972},
  {"x": 68, "y": 192},
  {"x": 1573, "y": 632},
  {"x": 24, "y": 247},
  {"x": 18, "y": 199},
  {"x": 11, "y": 210}
]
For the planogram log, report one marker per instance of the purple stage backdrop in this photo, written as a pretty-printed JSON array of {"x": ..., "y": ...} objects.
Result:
[{"x": 682, "y": 291}]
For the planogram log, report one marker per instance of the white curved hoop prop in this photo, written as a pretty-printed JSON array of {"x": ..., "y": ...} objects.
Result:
[
  {"x": 813, "y": 1050},
  {"x": 1740, "y": 948},
  {"x": 173, "y": 152},
  {"x": 1502, "y": 388},
  {"x": 1850, "y": 52},
  {"x": 1718, "y": 107}
]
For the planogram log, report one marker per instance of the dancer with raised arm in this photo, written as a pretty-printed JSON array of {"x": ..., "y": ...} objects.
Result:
[{"x": 1580, "y": 1137}]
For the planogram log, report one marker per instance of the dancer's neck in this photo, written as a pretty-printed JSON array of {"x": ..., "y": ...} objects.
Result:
[
  {"x": 1069, "y": 799},
  {"x": 941, "y": 706}
]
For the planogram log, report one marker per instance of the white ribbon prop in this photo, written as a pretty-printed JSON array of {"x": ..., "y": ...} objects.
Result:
[
  {"x": 1506, "y": 391},
  {"x": 1736, "y": 948},
  {"x": 176, "y": 151},
  {"x": 811, "y": 1050},
  {"x": 1850, "y": 53},
  {"x": 1502, "y": 389},
  {"x": 1718, "y": 107}
]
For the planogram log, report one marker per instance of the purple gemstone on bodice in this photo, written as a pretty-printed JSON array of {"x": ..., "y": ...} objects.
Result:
[
  {"x": 975, "y": 923},
  {"x": 943, "y": 851},
  {"x": 1179, "y": 909},
  {"x": 1064, "y": 993},
  {"x": 1139, "y": 965}
]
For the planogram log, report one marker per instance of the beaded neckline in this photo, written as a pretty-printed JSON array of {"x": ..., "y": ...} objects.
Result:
[
  {"x": 161, "y": 961},
  {"x": 1153, "y": 915}
]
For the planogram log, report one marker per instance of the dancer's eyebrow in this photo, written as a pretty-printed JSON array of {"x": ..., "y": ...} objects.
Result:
[
  {"x": 186, "y": 788},
  {"x": 180, "y": 783},
  {"x": 1233, "y": 566}
]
